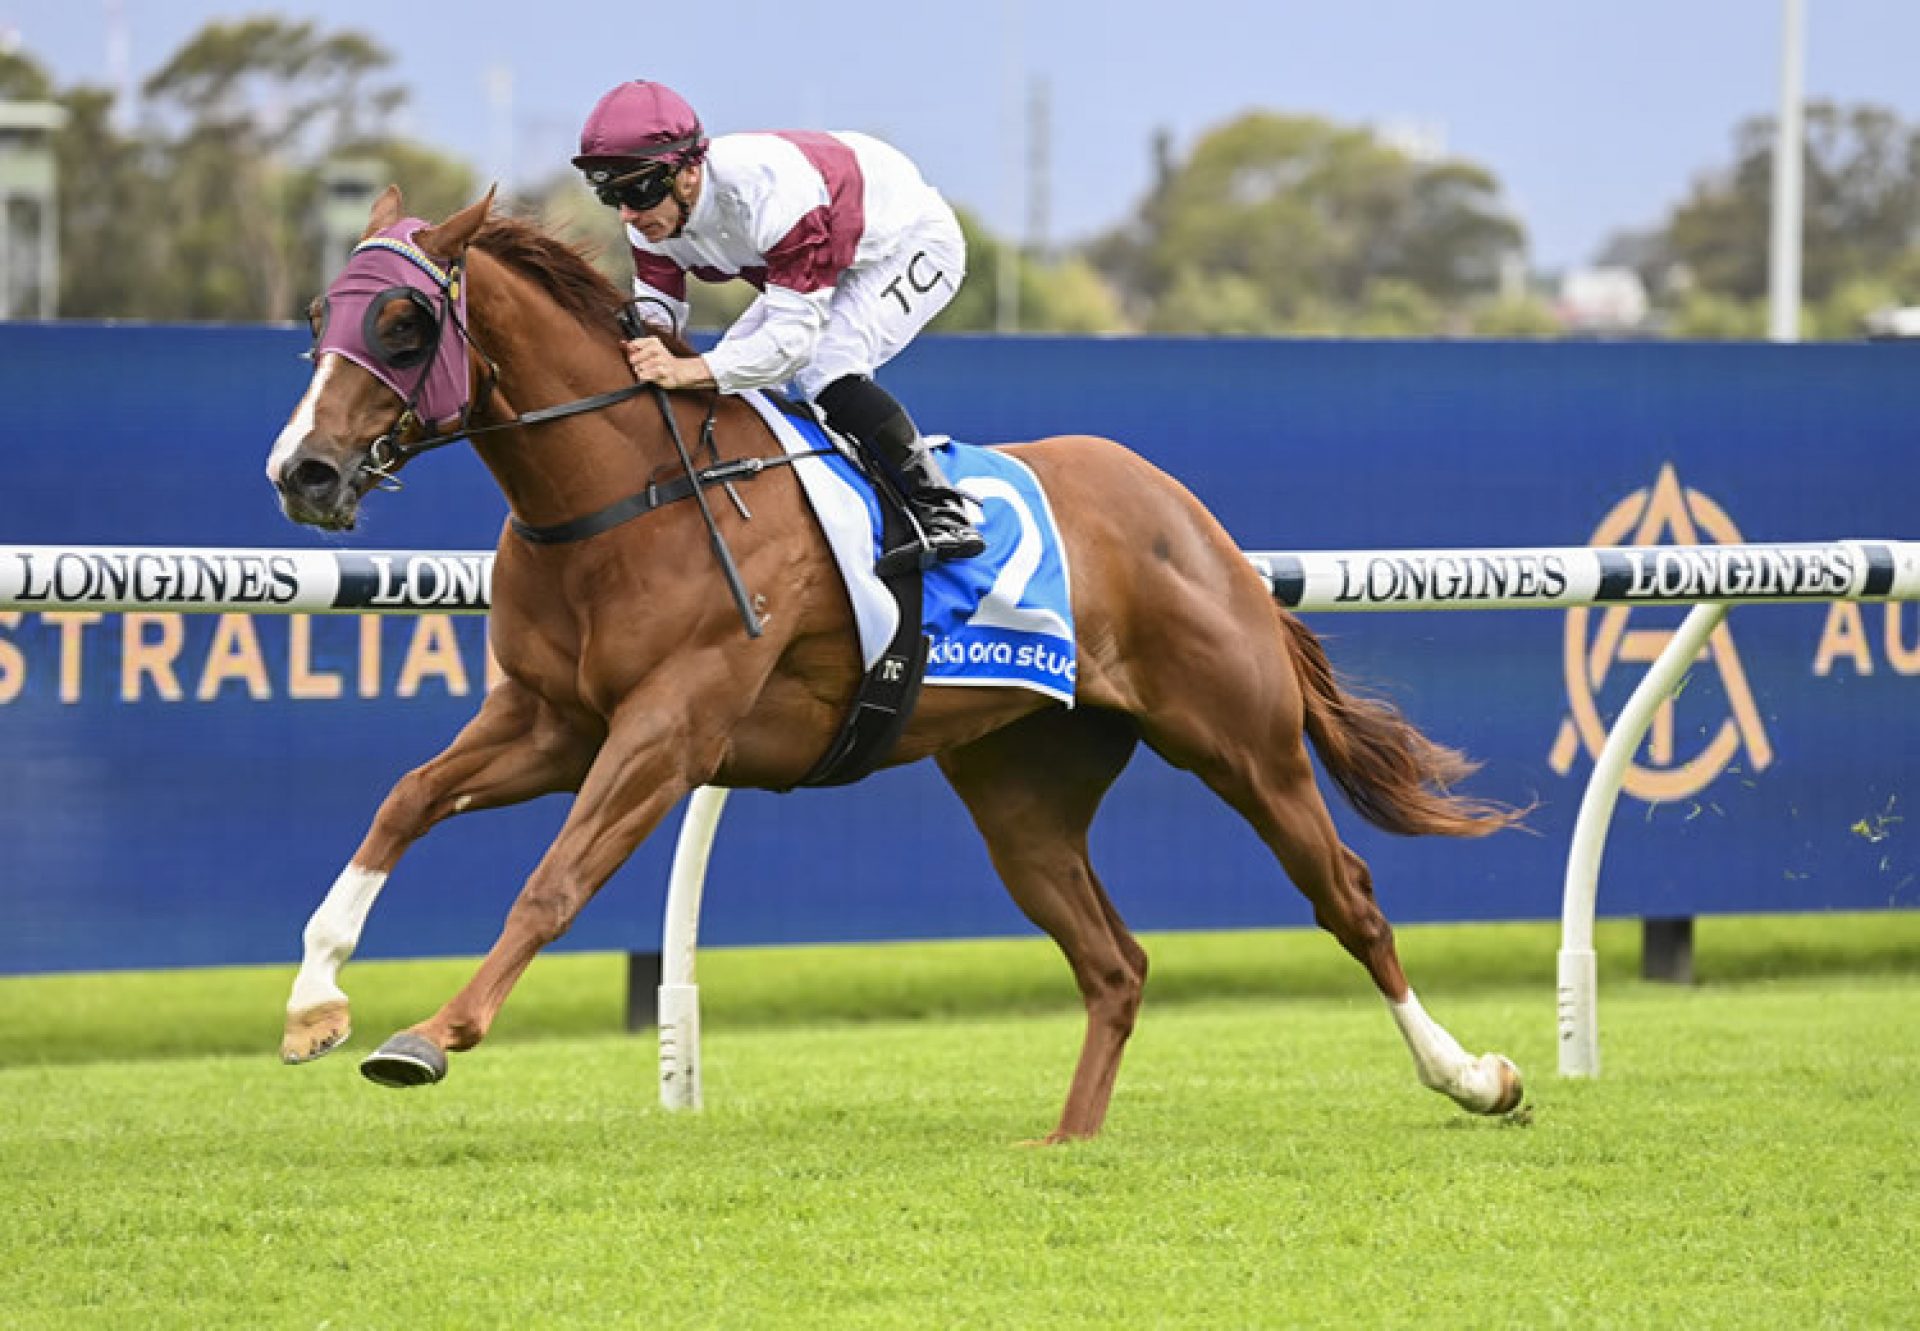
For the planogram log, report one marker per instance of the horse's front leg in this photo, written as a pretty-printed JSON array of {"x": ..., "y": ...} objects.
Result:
[
  {"x": 516, "y": 747},
  {"x": 646, "y": 764}
]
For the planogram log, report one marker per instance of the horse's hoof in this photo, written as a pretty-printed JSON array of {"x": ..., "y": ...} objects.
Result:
[
  {"x": 1510, "y": 1087},
  {"x": 320, "y": 1029},
  {"x": 405, "y": 1060}
]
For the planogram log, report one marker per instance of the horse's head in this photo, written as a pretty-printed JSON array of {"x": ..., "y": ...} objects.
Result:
[{"x": 390, "y": 358}]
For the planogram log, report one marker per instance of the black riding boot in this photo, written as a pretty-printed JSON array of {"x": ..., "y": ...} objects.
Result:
[{"x": 856, "y": 406}]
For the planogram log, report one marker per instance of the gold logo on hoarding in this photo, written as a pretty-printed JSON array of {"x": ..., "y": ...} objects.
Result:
[{"x": 1668, "y": 514}]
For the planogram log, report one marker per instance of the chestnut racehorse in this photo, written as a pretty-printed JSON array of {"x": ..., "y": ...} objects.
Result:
[{"x": 630, "y": 678}]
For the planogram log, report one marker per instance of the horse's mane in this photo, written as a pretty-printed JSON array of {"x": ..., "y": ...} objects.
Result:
[{"x": 562, "y": 270}]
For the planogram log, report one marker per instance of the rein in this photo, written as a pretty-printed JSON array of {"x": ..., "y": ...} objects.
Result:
[{"x": 389, "y": 451}]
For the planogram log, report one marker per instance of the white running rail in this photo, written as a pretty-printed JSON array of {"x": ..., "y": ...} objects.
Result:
[{"x": 1709, "y": 577}]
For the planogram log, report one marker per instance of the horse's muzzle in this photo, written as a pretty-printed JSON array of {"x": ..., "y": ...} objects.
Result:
[{"x": 316, "y": 493}]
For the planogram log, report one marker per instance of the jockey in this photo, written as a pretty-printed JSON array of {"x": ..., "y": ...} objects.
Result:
[{"x": 852, "y": 252}]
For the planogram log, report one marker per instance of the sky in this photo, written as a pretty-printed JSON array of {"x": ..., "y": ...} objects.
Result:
[{"x": 1595, "y": 115}]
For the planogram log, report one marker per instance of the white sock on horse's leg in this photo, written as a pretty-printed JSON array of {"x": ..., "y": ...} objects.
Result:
[
  {"x": 1478, "y": 1084},
  {"x": 332, "y": 934}
]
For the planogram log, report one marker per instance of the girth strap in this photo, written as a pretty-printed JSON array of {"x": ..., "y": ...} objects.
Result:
[{"x": 891, "y": 688}]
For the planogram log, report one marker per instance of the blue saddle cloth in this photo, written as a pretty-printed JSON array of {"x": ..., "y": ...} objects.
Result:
[{"x": 1002, "y": 619}]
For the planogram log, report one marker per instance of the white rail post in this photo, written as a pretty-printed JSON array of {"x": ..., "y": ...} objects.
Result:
[
  {"x": 1579, "y": 982},
  {"x": 679, "y": 989}
]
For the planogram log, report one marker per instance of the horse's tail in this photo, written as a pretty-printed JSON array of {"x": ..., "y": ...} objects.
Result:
[{"x": 1394, "y": 776}]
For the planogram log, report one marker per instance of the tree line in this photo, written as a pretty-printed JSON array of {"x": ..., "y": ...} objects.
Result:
[{"x": 1272, "y": 224}]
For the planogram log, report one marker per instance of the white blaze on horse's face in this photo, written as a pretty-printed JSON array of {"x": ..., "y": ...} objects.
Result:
[
  {"x": 300, "y": 424},
  {"x": 316, "y": 465}
]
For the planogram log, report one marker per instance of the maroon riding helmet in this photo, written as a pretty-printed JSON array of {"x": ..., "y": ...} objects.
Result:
[{"x": 634, "y": 140}]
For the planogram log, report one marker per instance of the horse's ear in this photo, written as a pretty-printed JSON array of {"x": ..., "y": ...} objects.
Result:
[
  {"x": 450, "y": 239},
  {"x": 387, "y": 209}
]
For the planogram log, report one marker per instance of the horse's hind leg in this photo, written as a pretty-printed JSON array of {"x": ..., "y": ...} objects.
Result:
[
  {"x": 1032, "y": 789},
  {"x": 1489, "y": 1084},
  {"x": 515, "y": 748},
  {"x": 1242, "y": 732}
]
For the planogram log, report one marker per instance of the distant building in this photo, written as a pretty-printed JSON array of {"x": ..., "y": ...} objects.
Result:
[
  {"x": 1894, "y": 322},
  {"x": 348, "y": 187},
  {"x": 1602, "y": 300},
  {"x": 29, "y": 219}
]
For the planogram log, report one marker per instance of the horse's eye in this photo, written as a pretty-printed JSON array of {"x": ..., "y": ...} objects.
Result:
[
  {"x": 400, "y": 327},
  {"x": 404, "y": 337},
  {"x": 405, "y": 333}
]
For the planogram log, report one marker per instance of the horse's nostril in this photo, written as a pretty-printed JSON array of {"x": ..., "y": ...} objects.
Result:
[{"x": 311, "y": 478}]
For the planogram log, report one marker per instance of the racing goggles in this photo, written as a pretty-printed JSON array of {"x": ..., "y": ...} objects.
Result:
[{"x": 638, "y": 190}]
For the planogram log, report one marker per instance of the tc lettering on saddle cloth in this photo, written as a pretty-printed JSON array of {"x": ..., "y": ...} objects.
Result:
[{"x": 1004, "y": 618}]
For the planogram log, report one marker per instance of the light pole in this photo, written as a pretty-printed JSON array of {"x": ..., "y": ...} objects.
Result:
[{"x": 1783, "y": 257}]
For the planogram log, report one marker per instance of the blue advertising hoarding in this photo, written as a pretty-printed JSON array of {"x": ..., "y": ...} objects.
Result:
[{"x": 180, "y": 790}]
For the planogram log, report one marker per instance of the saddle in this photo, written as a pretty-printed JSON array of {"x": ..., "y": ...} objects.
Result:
[{"x": 1002, "y": 619}]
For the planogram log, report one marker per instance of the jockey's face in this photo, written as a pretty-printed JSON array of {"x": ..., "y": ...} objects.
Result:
[{"x": 665, "y": 218}]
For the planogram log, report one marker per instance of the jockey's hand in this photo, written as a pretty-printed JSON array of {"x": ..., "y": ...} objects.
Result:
[{"x": 653, "y": 363}]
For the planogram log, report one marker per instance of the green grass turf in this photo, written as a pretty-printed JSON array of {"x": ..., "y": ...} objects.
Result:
[
  {"x": 1748, "y": 1158},
  {"x": 88, "y": 1018}
]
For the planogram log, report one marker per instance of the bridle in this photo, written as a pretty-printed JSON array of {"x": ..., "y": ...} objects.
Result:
[
  {"x": 384, "y": 269},
  {"x": 393, "y": 449},
  {"x": 400, "y": 444}
]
